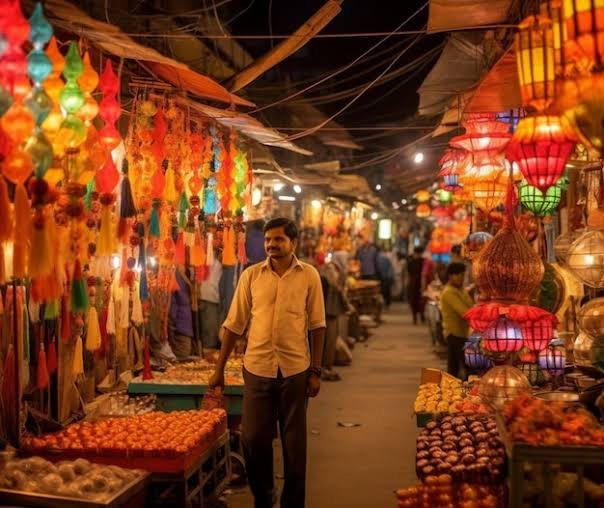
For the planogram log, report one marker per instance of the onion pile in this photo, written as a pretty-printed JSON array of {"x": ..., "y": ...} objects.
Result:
[{"x": 467, "y": 447}]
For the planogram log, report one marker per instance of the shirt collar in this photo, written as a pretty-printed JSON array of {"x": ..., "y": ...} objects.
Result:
[{"x": 295, "y": 264}]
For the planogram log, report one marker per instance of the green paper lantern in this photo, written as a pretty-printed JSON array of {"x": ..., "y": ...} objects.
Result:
[{"x": 540, "y": 203}]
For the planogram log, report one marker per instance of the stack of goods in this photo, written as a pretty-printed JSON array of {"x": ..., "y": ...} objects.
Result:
[
  {"x": 197, "y": 372},
  {"x": 466, "y": 447},
  {"x": 448, "y": 396},
  {"x": 149, "y": 435},
  {"x": 551, "y": 423},
  {"x": 121, "y": 404},
  {"x": 441, "y": 491},
  {"x": 77, "y": 479}
]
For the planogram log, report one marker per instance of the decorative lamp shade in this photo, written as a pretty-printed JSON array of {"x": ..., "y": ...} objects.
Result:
[
  {"x": 536, "y": 61},
  {"x": 584, "y": 20},
  {"x": 88, "y": 81},
  {"x": 482, "y": 145},
  {"x": 553, "y": 360},
  {"x": 507, "y": 269},
  {"x": 585, "y": 258},
  {"x": 444, "y": 196},
  {"x": 502, "y": 384},
  {"x": 563, "y": 243},
  {"x": 503, "y": 336},
  {"x": 423, "y": 210},
  {"x": 552, "y": 9},
  {"x": 476, "y": 241},
  {"x": 110, "y": 109},
  {"x": 484, "y": 123},
  {"x": 474, "y": 358},
  {"x": 538, "y": 202},
  {"x": 451, "y": 181},
  {"x": 533, "y": 373},
  {"x": 538, "y": 333},
  {"x": 487, "y": 193},
  {"x": 541, "y": 147},
  {"x": 422, "y": 196},
  {"x": 591, "y": 317},
  {"x": 582, "y": 349}
]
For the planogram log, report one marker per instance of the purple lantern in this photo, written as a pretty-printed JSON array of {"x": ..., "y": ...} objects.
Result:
[
  {"x": 473, "y": 355},
  {"x": 503, "y": 336},
  {"x": 553, "y": 360}
]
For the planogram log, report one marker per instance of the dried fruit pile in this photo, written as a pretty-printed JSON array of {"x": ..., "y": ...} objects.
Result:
[
  {"x": 537, "y": 422},
  {"x": 153, "y": 434},
  {"x": 467, "y": 447}
]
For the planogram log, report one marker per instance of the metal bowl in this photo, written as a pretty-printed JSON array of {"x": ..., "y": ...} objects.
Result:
[{"x": 559, "y": 396}]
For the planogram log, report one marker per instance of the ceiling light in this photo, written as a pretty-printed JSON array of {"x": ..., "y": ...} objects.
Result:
[
  {"x": 256, "y": 196},
  {"x": 297, "y": 189},
  {"x": 116, "y": 261},
  {"x": 378, "y": 187},
  {"x": 403, "y": 201},
  {"x": 316, "y": 204},
  {"x": 418, "y": 158},
  {"x": 374, "y": 215},
  {"x": 278, "y": 186},
  {"x": 287, "y": 198}
]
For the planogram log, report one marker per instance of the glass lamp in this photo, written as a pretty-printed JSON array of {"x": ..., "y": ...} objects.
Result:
[
  {"x": 538, "y": 202},
  {"x": 503, "y": 336},
  {"x": 585, "y": 258},
  {"x": 502, "y": 384},
  {"x": 591, "y": 317}
]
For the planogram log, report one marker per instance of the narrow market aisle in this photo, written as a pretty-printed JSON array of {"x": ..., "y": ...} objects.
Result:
[{"x": 358, "y": 467}]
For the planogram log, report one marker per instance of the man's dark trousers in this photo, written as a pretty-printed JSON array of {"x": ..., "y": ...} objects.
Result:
[{"x": 266, "y": 402}]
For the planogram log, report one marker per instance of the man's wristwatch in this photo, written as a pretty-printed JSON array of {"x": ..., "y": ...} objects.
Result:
[{"x": 317, "y": 371}]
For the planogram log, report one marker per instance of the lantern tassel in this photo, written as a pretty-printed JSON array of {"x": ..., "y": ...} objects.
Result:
[
  {"x": 93, "y": 330},
  {"x": 228, "y": 249},
  {"x": 41, "y": 253},
  {"x": 79, "y": 293},
  {"x": 106, "y": 243},
  {"x": 147, "y": 373},
  {"x": 78, "y": 358},
  {"x": 241, "y": 250},
  {"x": 154, "y": 223},
  {"x": 144, "y": 286},
  {"x": 51, "y": 358},
  {"x": 65, "y": 319},
  {"x": 22, "y": 236},
  {"x": 179, "y": 253},
  {"x": 8, "y": 385},
  {"x": 43, "y": 379},
  {"x": 210, "y": 250},
  {"x": 6, "y": 216}
]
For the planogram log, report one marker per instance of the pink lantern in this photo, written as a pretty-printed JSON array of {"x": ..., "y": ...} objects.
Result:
[{"x": 503, "y": 336}]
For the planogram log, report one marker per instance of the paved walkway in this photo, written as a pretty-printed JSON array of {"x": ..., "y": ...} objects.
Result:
[{"x": 361, "y": 467}]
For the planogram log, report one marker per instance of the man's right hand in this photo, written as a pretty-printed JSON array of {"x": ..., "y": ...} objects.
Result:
[{"x": 217, "y": 379}]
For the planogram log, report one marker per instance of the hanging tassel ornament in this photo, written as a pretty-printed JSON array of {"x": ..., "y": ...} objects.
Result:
[
  {"x": 154, "y": 221},
  {"x": 127, "y": 208},
  {"x": 228, "y": 247},
  {"x": 22, "y": 234},
  {"x": 210, "y": 249},
  {"x": 65, "y": 319},
  {"x": 51, "y": 358},
  {"x": 241, "y": 253},
  {"x": 179, "y": 253},
  {"x": 41, "y": 260},
  {"x": 78, "y": 358},
  {"x": 8, "y": 385},
  {"x": 93, "y": 330},
  {"x": 79, "y": 293},
  {"x": 137, "y": 307},
  {"x": 43, "y": 378},
  {"x": 107, "y": 242},
  {"x": 6, "y": 215},
  {"x": 147, "y": 373}
]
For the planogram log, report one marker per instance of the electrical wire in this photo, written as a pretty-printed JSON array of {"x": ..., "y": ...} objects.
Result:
[
  {"x": 240, "y": 13},
  {"x": 348, "y": 66}
]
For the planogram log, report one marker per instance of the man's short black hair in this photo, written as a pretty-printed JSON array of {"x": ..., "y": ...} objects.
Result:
[
  {"x": 456, "y": 249},
  {"x": 418, "y": 250},
  {"x": 288, "y": 225},
  {"x": 455, "y": 269}
]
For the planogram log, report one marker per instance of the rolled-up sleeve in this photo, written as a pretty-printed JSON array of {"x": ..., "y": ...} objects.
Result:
[
  {"x": 241, "y": 306},
  {"x": 315, "y": 304}
]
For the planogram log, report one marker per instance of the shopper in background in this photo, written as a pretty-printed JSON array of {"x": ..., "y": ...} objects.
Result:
[
  {"x": 254, "y": 242},
  {"x": 454, "y": 303},
  {"x": 181, "y": 317},
  {"x": 209, "y": 299},
  {"x": 415, "y": 284},
  {"x": 279, "y": 300},
  {"x": 385, "y": 272},
  {"x": 367, "y": 256}
]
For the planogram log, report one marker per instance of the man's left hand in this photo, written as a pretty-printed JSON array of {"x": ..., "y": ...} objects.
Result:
[{"x": 314, "y": 385}]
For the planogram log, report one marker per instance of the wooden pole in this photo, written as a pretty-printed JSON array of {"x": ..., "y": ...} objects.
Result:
[{"x": 298, "y": 39}]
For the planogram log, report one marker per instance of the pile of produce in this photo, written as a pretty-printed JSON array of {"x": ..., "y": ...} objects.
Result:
[
  {"x": 197, "y": 372},
  {"x": 149, "y": 435},
  {"x": 551, "y": 423},
  {"x": 466, "y": 447},
  {"x": 121, "y": 404},
  {"x": 450, "y": 396},
  {"x": 78, "y": 479},
  {"x": 441, "y": 491}
]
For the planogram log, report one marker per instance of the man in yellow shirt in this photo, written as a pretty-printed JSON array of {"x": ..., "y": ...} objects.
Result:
[{"x": 454, "y": 303}]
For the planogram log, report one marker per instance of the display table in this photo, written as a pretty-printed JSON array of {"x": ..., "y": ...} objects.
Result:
[
  {"x": 366, "y": 297},
  {"x": 179, "y": 397}
]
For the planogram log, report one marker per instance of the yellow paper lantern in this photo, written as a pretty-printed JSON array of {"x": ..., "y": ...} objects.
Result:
[{"x": 422, "y": 196}]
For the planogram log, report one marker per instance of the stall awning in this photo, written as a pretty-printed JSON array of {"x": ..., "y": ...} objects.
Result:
[
  {"x": 460, "y": 66},
  {"x": 111, "y": 39},
  {"x": 463, "y": 14},
  {"x": 247, "y": 125},
  {"x": 499, "y": 90}
]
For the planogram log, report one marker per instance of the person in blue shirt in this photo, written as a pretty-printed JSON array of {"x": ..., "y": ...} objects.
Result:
[
  {"x": 367, "y": 256},
  {"x": 385, "y": 272}
]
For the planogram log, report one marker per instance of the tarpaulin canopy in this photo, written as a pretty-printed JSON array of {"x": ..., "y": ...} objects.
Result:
[
  {"x": 460, "y": 66},
  {"x": 463, "y": 14},
  {"x": 111, "y": 39}
]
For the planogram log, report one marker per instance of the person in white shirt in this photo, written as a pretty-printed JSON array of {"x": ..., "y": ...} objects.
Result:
[{"x": 208, "y": 306}]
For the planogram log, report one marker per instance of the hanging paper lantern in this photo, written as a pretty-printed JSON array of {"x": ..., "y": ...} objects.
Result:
[
  {"x": 584, "y": 22},
  {"x": 502, "y": 384},
  {"x": 535, "y": 59},
  {"x": 452, "y": 165},
  {"x": 538, "y": 333},
  {"x": 591, "y": 317},
  {"x": 72, "y": 132},
  {"x": 110, "y": 109},
  {"x": 422, "y": 196},
  {"x": 541, "y": 204},
  {"x": 585, "y": 258},
  {"x": 88, "y": 81},
  {"x": 13, "y": 63},
  {"x": 541, "y": 147},
  {"x": 553, "y": 360},
  {"x": 473, "y": 356},
  {"x": 423, "y": 211},
  {"x": 53, "y": 86},
  {"x": 444, "y": 196},
  {"x": 488, "y": 193},
  {"x": 503, "y": 336}
]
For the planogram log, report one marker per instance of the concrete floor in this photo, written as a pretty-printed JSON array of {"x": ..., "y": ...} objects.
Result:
[{"x": 361, "y": 467}]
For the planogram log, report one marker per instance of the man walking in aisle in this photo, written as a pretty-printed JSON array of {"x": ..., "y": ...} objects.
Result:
[
  {"x": 454, "y": 303},
  {"x": 280, "y": 299}
]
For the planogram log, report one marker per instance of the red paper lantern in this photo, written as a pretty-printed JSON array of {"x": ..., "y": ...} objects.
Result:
[
  {"x": 538, "y": 334},
  {"x": 541, "y": 147},
  {"x": 110, "y": 109},
  {"x": 503, "y": 336},
  {"x": 423, "y": 210}
]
